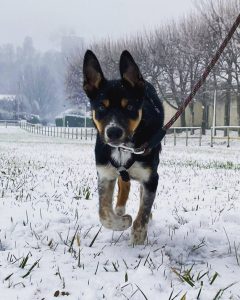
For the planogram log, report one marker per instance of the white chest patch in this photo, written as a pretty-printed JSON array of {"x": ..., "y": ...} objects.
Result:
[
  {"x": 107, "y": 172},
  {"x": 139, "y": 173},
  {"x": 120, "y": 157},
  {"x": 136, "y": 171}
]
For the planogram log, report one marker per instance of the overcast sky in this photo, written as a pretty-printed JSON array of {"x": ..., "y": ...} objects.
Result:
[{"x": 47, "y": 20}]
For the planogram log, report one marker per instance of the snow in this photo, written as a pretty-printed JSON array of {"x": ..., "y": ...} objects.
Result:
[
  {"x": 6, "y": 97},
  {"x": 49, "y": 212}
]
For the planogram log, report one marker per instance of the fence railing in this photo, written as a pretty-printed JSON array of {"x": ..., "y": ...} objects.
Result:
[
  {"x": 176, "y": 133},
  {"x": 90, "y": 133},
  {"x": 81, "y": 133},
  {"x": 189, "y": 134},
  {"x": 228, "y": 137},
  {"x": 7, "y": 123}
]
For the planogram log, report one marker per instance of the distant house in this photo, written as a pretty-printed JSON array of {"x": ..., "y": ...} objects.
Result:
[
  {"x": 198, "y": 110},
  {"x": 74, "y": 118}
]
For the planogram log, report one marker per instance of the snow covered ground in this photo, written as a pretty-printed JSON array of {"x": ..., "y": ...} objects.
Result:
[{"x": 52, "y": 245}]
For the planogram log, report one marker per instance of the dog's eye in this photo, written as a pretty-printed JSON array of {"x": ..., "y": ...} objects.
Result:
[
  {"x": 130, "y": 107},
  {"x": 101, "y": 108}
]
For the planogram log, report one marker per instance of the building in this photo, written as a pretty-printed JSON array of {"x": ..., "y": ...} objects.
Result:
[{"x": 199, "y": 112}]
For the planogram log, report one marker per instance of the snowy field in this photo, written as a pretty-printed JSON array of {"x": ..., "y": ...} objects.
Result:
[{"x": 53, "y": 247}]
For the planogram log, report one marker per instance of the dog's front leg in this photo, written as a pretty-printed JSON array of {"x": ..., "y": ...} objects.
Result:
[
  {"x": 147, "y": 196},
  {"x": 107, "y": 216}
]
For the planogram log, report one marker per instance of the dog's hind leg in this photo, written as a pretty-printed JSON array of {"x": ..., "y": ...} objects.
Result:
[
  {"x": 147, "y": 196},
  {"x": 107, "y": 216},
  {"x": 123, "y": 192}
]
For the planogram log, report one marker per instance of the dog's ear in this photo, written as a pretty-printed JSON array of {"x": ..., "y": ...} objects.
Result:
[
  {"x": 92, "y": 73},
  {"x": 129, "y": 70}
]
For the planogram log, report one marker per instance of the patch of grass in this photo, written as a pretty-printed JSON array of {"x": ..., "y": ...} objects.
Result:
[
  {"x": 194, "y": 280},
  {"x": 228, "y": 165}
]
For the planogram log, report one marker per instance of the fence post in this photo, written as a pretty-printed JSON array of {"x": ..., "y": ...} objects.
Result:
[
  {"x": 164, "y": 140},
  {"x": 200, "y": 137},
  {"x": 186, "y": 136},
  {"x": 72, "y": 132},
  {"x": 228, "y": 138},
  {"x": 175, "y": 138},
  {"x": 211, "y": 137},
  {"x": 76, "y": 133},
  {"x": 91, "y": 134}
]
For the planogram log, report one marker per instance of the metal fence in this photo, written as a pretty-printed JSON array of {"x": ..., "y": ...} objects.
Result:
[
  {"x": 228, "y": 137},
  {"x": 81, "y": 133},
  {"x": 174, "y": 134},
  {"x": 90, "y": 133},
  {"x": 7, "y": 123},
  {"x": 189, "y": 134}
]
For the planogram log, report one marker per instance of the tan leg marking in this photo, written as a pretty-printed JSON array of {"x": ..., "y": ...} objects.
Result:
[
  {"x": 139, "y": 229},
  {"x": 139, "y": 232},
  {"x": 107, "y": 217},
  {"x": 123, "y": 192}
]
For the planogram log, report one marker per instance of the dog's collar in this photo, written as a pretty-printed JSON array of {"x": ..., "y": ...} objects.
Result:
[{"x": 137, "y": 151}]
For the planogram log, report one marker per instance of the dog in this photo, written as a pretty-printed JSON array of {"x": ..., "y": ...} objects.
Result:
[{"x": 125, "y": 112}]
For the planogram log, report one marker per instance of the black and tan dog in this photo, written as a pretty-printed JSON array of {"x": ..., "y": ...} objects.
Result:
[{"x": 125, "y": 112}]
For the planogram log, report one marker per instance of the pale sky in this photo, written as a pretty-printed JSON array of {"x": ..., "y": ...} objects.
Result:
[{"x": 47, "y": 20}]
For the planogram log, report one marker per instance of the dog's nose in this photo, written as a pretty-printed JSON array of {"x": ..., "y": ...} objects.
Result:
[{"x": 114, "y": 133}]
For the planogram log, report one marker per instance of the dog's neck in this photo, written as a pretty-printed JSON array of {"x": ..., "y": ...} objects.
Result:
[{"x": 121, "y": 157}]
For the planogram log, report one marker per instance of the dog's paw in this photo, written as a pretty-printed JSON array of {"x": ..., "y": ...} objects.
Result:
[
  {"x": 120, "y": 210},
  {"x": 122, "y": 223},
  {"x": 117, "y": 223},
  {"x": 138, "y": 236}
]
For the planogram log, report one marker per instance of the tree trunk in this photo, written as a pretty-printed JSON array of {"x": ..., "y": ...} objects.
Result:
[
  {"x": 227, "y": 105},
  {"x": 183, "y": 119},
  {"x": 204, "y": 118},
  {"x": 238, "y": 111},
  {"x": 227, "y": 109},
  {"x": 191, "y": 108}
]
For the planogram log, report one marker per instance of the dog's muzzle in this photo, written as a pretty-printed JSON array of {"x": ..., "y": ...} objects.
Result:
[{"x": 114, "y": 135}]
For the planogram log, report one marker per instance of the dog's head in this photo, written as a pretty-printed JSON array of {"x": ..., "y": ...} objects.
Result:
[{"x": 116, "y": 104}]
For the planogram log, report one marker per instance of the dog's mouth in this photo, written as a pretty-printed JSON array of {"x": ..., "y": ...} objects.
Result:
[
  {"x": 115, "y": 144},
  {"x": 124, "y": 141}
]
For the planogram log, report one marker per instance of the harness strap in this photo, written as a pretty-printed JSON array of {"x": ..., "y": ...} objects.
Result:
[{"x": 122, "y": 169}]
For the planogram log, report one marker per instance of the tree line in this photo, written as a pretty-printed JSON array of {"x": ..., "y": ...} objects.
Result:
[
  {"x": 36, "y": 78},
  {"x": 173, "y": 56}
]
